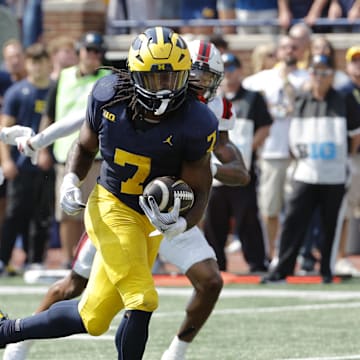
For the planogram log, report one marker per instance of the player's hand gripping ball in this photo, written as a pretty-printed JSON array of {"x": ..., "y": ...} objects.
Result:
[{"x": 164, "y": 189}]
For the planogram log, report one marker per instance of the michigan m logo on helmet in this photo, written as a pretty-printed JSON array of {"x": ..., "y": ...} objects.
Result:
[{"x": 159, "y": 62}]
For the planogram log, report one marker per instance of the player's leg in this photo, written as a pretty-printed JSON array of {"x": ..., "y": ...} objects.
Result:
[
  {"x": 67, "y": 288},
  {"x": 75, "y": 282},
  {"x": 217, "y": 221},
  {"x": 64, "y": 319},
  {"x": 61, "y": 319},
  {"x": 117, "y": 229},
  {"x": 191, "y": 253}
]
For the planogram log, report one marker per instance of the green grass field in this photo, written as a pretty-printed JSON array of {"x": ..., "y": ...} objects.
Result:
[{"x": 258, "y": 322}]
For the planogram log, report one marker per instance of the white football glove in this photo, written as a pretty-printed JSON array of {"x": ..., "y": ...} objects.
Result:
[
  {"x": 25, "y": 147},
  {"x": 169, "y": 224},
  {"x": 70, "y": 194},
  {"x": 9, "y": 134}
]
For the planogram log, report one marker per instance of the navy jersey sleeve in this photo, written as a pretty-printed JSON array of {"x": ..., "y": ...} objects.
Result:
[
  {"x": 201, "y": 133},
  {"x": 91, "y": 114},
  {"x": 261, "y": 114},
  {"x": 11, "y": 104},
  {"x": 102, "y": 92}
]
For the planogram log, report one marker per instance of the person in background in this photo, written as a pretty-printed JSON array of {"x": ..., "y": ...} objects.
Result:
[
  {"x": 348, "y": 9},
  {"x": 318, "y": 133},
  {"x": 240, "y": 202},
  {"x": 263, "y": 57},
  {"x": 67, "y": 99},
  {"x": 309, "y": 11},
  {"x": 5, "y": 83},
  {"x": 280, "y": 86},
  {"x": 219, "y": 42},
  {"x": 32, "y": 22},
  {"x": 14, "y": 70},
  {"x": 200, "y": 9},
  {"x": 302, "y": 33},
  {"x": 29, "y": 205},
  {"x": 321, "y": 45},
  {"x": 14, "y": 59},
  {"x": 226, "y": 11},
  {"x": 62, "y": 50},
  {"x": 245, "y": 10},
  {"x": 9, "y": 27}
]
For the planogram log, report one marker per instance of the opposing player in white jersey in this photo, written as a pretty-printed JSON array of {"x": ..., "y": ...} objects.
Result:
[{"x": 189, "y": 251}]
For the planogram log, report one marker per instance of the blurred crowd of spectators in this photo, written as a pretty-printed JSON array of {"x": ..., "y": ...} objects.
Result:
[{"x": 280, "y": 12}]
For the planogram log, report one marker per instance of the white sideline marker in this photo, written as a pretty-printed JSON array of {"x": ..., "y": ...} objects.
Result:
[{"x": 342, "y": 357}]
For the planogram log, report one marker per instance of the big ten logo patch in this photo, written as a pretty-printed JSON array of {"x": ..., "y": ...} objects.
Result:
[{"x": 108, "y": 115}]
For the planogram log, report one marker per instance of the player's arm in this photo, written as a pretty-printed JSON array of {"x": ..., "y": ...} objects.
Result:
[
  {"x": 197, "y": 175},
  {"x": 56, "y": 130},
  {"x": 83, "y": 152},
  {"x": 232, "y": 170},
  {"x": 79, "y": 161}
]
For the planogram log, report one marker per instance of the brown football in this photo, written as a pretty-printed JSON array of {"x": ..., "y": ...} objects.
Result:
[{"x": 164, "y": 189}]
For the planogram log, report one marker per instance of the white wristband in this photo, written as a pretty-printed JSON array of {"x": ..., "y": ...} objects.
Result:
[{"x": 214, "y": 169}]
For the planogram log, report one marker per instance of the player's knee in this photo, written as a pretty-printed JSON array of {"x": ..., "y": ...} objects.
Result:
[
  {"x": 210, "y": 285},
  {"x": 150, "y": 301},
  {"x": 96, "y": 325},
  {"x": 215, "y": 284},
  {"x": 58, "y": 290},
  {"x": 76, "y": 286},
  {"x": 146, "y": 301}
]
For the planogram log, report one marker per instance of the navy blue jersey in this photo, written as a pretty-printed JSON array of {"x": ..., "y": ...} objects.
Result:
[
  {"x": 26, "y": 104},
  {"x": 132, "y": 157}
]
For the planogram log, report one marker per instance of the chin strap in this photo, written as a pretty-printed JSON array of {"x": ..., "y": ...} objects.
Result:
[{"x": 162, "y": 108}]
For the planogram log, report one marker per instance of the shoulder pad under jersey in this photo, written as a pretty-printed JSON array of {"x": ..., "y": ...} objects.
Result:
[{"x": 104, "y": 88}]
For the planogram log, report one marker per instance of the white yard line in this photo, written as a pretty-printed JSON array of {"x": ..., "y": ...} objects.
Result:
[
  {"x": 271, "y": 309},
  {"x": 272, "y": 293},
  {"x": 342, "y": 357},
  {"x": 226, "y": 293}
]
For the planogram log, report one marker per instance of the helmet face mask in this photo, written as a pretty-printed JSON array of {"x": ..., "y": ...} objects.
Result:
[
  {"x": 206, "y": 81},
  {"x": 157, "y": 81},
  {"x": 159, "y": 63},
  {"x": 207, "y": 68}
]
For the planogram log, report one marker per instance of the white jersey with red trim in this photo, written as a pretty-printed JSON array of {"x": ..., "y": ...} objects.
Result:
[{"x": 222, "y": 108}]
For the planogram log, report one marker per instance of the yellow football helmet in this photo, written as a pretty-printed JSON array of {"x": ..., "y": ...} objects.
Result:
[{"x": 159, "y": 62}]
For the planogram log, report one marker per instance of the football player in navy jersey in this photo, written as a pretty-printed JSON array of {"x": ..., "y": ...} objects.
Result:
[
  {"x": 201, "y": 268},
  {"x": 129, "y": 117}
]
